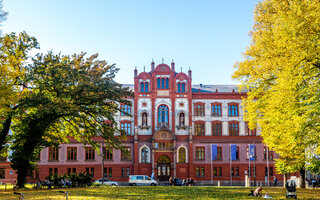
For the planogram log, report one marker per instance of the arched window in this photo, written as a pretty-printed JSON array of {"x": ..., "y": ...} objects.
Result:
[
  {"x": 167, "y": 83},
  {"x": 163, "y": 115},
  {"x": 146, "y": 87},
  {"x": 179, "y": 87},
  {"x": 144, "y": 118},
  {"x": 144, "y": 155},
  {"x": 183, "y": 87},
  {"x": 182, "y": 155},
  {"x": 162, "y": 83},
  {"x": 181, "y": 119},
  {"x": 158, "y": 83},
  {"x": 142, "y": 87}
]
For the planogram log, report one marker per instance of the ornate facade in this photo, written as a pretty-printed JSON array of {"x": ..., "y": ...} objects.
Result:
[{"x": 172, "y": 129}]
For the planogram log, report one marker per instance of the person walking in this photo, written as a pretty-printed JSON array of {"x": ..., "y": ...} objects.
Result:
[{"x": 275, "y": 181}]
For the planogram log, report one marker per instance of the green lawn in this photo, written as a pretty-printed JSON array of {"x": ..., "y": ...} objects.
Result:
[{"x": 159, "y": 192}]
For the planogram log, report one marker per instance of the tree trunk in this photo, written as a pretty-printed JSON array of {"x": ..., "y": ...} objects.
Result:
[
  {"x": 284, "y": 180},
  {"x": 303, "y": 178},
  {"x": 21, "y": 179}
]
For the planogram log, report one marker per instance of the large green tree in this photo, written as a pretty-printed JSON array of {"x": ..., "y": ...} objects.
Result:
[
  {"x": 13, "y": 59},
  {"x": 66, "y": 97},
  {"x": 281, "y": 70}
]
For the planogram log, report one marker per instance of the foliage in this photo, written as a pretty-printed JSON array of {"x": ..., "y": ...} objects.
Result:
[
  {"x": 281, "y": 71},
  {"x": 13, "y": 57},
  {"x": 81, "y": 179},
  {"x": 159, "y": 192},
  {"x": 68, "y": 97}
]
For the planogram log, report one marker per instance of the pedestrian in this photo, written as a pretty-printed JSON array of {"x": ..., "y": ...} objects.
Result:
[
  {"x": 275, "y": 181},
  {"x": 187, "y": 181},
  {"x": 174, "y": 181},
  {"x": 258, "y": 192},
  {"x": 170, "y": 181},
  {"x": 191, "y": 181},
  {"x": 183, "y": 182}
]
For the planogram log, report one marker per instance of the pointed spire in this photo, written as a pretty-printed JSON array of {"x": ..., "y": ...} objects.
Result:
[
  {"x": 181, "y": 69},
  {"x": 162, "y": 60},
  {"x": 152, "y": 65},
  {"x": 144, "y": 68}
]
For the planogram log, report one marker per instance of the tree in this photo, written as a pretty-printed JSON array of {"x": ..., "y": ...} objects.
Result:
[
  {"x": 67, "y": 97},
  {"x": 281, "y": 70},
  {"x": 13, "y": 57}
]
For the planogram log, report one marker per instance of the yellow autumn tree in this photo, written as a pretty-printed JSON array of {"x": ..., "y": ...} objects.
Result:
[{"x": 281, "y": 70}]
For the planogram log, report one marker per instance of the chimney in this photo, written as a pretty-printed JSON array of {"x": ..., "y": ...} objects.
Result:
[
  {"x": 152, "y": 65},
  {"x": 135, "y": 72},
  {"x": 172, "y": 66}
]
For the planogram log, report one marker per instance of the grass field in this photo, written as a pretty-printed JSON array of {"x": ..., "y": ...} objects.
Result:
[{"x": 159, "y": 192}]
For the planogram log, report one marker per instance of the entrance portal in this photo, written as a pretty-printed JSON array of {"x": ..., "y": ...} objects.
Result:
[{"x": 164, "y": 168}]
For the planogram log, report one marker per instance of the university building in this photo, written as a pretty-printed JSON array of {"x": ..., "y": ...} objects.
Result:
[{"x": 175, "y": 129}]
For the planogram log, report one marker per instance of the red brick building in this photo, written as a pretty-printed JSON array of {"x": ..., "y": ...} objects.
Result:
[{"x": 170, "y": 132}]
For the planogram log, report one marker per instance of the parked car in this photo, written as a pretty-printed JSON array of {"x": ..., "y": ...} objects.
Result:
[
  {"x": 105, "y": 181},
  {"x": 141, "y": 180}
]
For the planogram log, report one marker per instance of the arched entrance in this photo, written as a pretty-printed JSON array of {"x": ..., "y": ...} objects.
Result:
[{"x": 164, "y": 168}]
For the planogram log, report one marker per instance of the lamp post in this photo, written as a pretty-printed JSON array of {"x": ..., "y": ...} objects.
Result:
[{"x": 103, "y": 153}]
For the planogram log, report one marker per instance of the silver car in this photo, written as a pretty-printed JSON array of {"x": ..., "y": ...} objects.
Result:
[{"x": 105, "y": 181}]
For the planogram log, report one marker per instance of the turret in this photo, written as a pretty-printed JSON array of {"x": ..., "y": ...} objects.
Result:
[
  {"x": 152, "y": 65},
  {"x": 172, "y": 66},
  {"x": 135, "y": 72},
  {"x": 189, "y": 73}
]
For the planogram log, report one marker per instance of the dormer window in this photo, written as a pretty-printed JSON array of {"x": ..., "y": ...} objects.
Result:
[
  {"x": 181, "y": 87},
  {"x": 144, "y": 87}
]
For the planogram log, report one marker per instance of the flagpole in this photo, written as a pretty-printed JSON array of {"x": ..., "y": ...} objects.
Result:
[
  {"x": 230, "y": 166},
  {"x": 211, "y": 166},
  {"x": 268, "y": 165},
  {"x": 249, "y": 170}
]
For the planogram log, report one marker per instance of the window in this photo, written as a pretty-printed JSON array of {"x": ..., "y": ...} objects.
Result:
[
  {"x": 216, "y": 110},
  {"x": 144, "y": 119},
  {"x": 270, "y": 154},
  {"x": 251, "y": 171},
  {"x": 233, "y": 110},
  {"x": 53, "y": 171},
  {"x": 233, "y": 129},
  {"x": 183, "y": 87},
  {"x": 158, "y": 83},
  {"x": 200, "y": 171},
  {"x": 72, "y": 153},
  {"x": 250, "y": 132},
  {"x": 125, "y": 109},
  {"x": 162, "y": 83},
  {"x": 237, "y": 153},
  {"x": 2, "y": 173},
  {"x": 182, "y": 155},
  {"x": 53, "y": 153},
  {"x": 271, "y": 171},
  {"x": 216, "y": 128},
  {"x": 217, "y": 171},
  {"x": 125, "y": 172},
  {"x": 181, "y": 119},
  {"x": 167, "y": 83},
  {"x": 69, "y": 171},
  {"x": 199, "y": 129},
  {"x": 126, "y": 126},
  {"x": 146, "y": 89},
  {"x": 219, "y": 153},
  {"x": 92, "y": 171},
  {"x": 200, "y": 153},
  {"x": 235, "y": 171},
  {"x": 108, "y": 155},
  {"x": 199, "y": 110},
  {"x": 126, "y": 156},
  {"x": 179, "y": 87},
  {"x": 144, "y": 155},
  {"x": 89, "y": 153},
  {"x": 110, "y": 171},
  {"x": 163, "y": 115}
]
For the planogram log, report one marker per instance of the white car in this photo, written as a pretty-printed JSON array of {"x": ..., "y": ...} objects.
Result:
[
  {"x": 141, "y": 180},
  {"x": 105, "y": 181}
]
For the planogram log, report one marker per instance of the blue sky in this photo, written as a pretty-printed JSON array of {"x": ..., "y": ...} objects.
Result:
[{"x": 208, "y": 36}]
